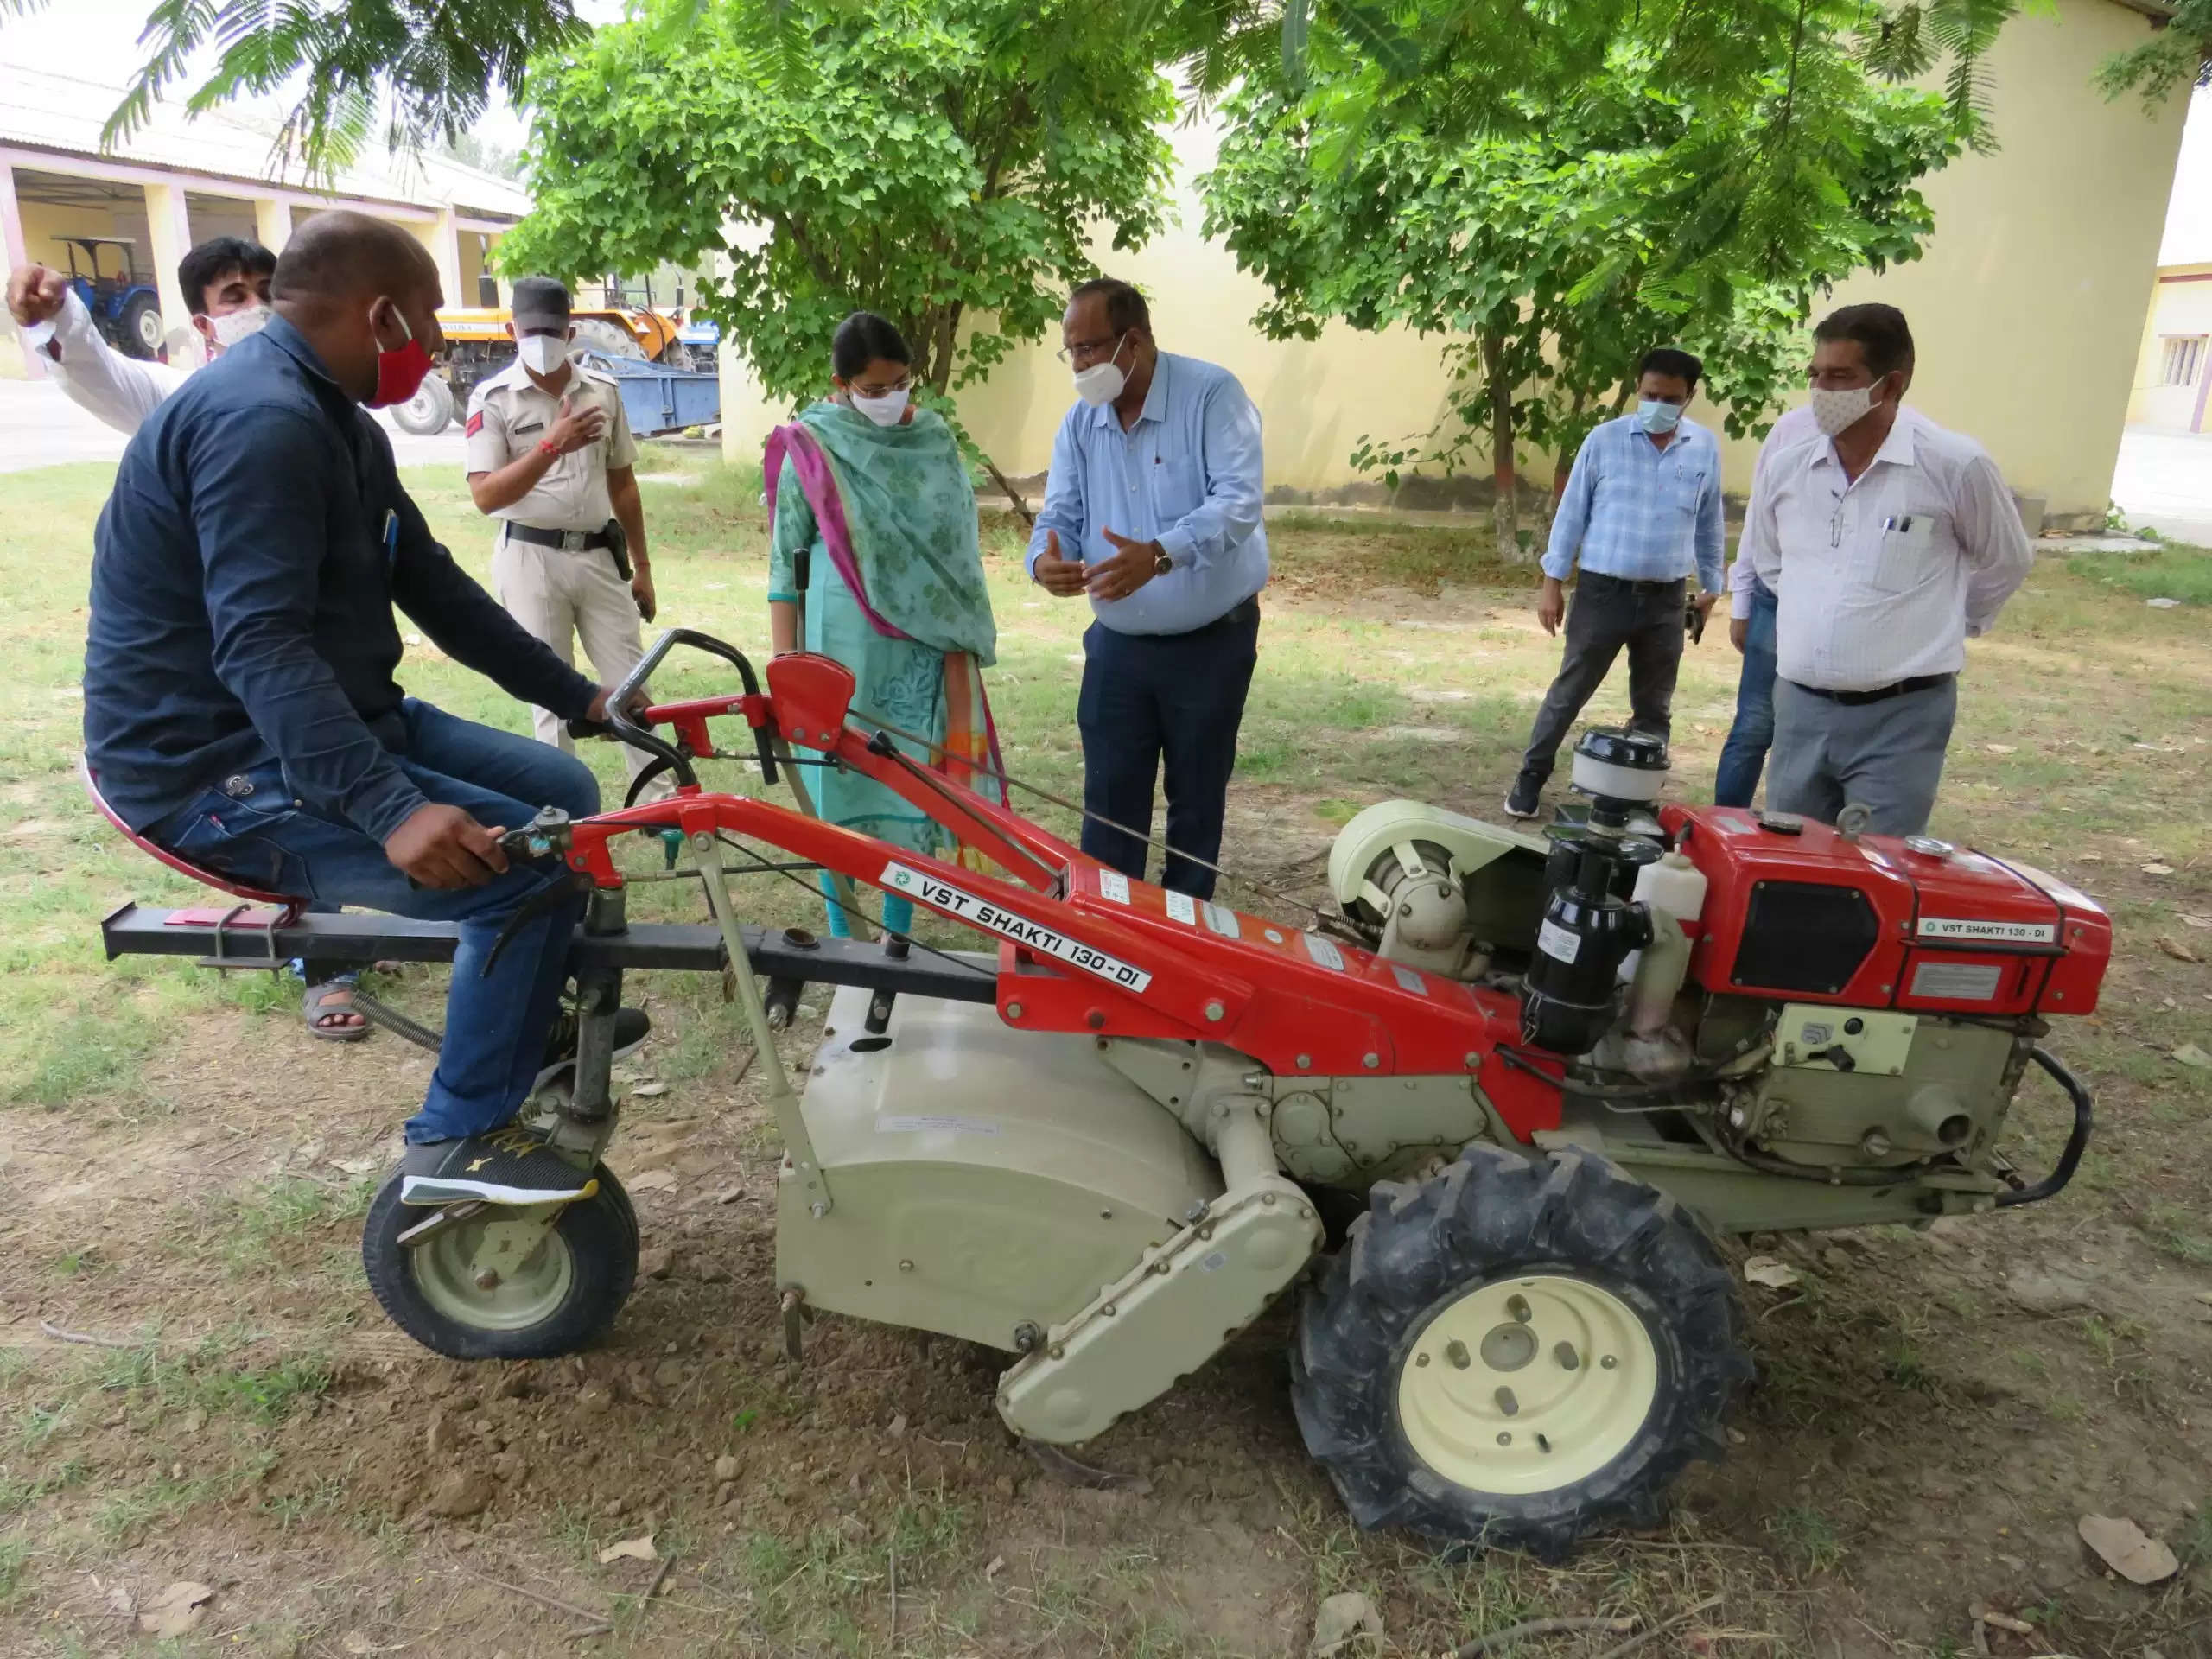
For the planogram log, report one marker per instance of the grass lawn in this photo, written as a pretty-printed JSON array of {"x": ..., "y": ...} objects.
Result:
[{"x": 188, "y": 1169}]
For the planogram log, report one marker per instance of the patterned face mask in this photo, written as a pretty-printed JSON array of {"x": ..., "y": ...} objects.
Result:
[{"x": 1838, "y": 411}]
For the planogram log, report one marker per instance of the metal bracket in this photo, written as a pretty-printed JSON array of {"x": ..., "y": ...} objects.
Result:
[
  {"x": 783, "y": 1099},
  {"x": 266, "y": 958}
]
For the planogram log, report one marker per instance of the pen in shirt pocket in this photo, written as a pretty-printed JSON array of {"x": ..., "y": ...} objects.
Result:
[
  {"x": 1899, "y": 524},
  {"x": 391, "y": 536}
]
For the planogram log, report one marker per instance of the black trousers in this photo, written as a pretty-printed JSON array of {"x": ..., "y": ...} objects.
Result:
[
  {"x": 1150, "y": 701},
  {"x": 1606, "y": 614}
]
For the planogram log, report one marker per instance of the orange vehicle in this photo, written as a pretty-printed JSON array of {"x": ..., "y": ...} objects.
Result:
[{"x": 478, "y": 348}]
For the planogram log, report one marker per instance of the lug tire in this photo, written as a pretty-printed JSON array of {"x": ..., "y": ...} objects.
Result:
[
  {"x": 140, "y": 327},
  {"x": 429, "y": 412},
  {"x": 1598, "y": 1238},
  {"x": 588, "y": 1267}
]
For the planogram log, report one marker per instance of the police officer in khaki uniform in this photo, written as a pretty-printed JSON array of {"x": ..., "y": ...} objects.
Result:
[{"x": 550, "y": 456}]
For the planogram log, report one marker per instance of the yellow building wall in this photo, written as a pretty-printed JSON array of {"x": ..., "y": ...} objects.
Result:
[
  {"x": 44, "y": 226},
  {"x": 2181, "y": 304},
  {"x": 2026, "y": 308}
]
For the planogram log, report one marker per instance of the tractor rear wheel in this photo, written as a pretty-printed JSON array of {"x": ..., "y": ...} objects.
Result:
[
  {"x": 1517, "y": 1353},
  {"x": 139, "y": 325}
]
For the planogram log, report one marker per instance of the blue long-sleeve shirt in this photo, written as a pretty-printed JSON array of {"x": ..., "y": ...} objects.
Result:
[
  {"x": 244, "y": 575},
  {"x": 1187, "y": 475},
  {"x": 1635, "y": 510}
]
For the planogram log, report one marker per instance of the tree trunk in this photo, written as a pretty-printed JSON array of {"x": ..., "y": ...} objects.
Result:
[
  {"x": 1505, "y": 515},
  {"x": 1012, "y": 494}
]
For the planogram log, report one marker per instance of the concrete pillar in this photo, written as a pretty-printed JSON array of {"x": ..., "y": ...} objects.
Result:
[
  {"x": 444, "y": 240},
  {"x": 272, "y": 223},
  {"x": 171, "y": 228},
  {"x": 15, "y": 251}
]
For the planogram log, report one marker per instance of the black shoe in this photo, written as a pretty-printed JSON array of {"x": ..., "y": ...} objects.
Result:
[
  {"x": 508, "y": 1165},
  {"x": 1525, "y": 799},
  {"x": 631, "y": 1027}
]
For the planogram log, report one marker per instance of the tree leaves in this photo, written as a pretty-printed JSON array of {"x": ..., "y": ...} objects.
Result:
[
  {"x": 428, "y": 65},
  {"x": 943, "y": 162},
  {"x": 1551, "y": 256}
]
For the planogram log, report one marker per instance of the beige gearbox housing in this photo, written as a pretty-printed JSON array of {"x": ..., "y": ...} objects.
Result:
[{"x": 1019, "y": 1190}]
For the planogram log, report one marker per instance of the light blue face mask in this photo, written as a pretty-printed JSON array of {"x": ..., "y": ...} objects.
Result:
[{"x": 1656, "y": 417}]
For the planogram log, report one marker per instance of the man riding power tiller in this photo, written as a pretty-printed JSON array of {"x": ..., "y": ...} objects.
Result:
[{"x": 240, "y": 707}]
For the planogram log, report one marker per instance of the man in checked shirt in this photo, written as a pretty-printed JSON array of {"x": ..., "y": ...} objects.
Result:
[
  {"x": 1888, "y": 543},
  {"x": 1640, "y": 513}
]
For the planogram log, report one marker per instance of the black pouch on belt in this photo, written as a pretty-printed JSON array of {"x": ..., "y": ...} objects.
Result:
[{"x": 618, "y": 544}]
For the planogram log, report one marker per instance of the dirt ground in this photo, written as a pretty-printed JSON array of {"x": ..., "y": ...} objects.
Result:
[{"x": 196, "y": 1388}]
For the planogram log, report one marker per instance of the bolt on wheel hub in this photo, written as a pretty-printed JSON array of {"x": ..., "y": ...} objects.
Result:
[
  {"x": 1527, "y": 1384},
  {"x": 444, "y": 1271}
]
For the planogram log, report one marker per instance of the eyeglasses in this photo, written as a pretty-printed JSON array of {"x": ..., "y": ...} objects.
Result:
[
  {"x": 1090, "y": 351},
  {"x": 861, "y": 389}
]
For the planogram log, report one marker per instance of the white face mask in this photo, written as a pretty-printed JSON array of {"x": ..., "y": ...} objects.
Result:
[
  {"x": 234, "y": 326},
  {"x": 542, "y": 353},
  {"x": 886, "y": 411},
  {"x": 1837, "y": 411},
  {"x": 1102, "y": 383},
  {"x": 1657, "y": 415}
]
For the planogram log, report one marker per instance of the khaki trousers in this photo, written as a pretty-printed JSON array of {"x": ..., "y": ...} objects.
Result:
[{"x": 557, "y": 596}]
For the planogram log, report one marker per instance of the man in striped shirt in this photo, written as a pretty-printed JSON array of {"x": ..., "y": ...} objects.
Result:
[{"x": 1640, "y": 513}]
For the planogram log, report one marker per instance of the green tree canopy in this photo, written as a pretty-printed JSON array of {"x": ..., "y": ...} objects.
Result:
[
  {"x": 1551, "y": 254},
  {"x": 910, "y": 163},
  {"x": 423, "y": 69}
]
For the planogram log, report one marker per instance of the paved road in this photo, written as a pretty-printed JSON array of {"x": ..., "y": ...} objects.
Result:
[
  {"x": 38, "y": 427},
  {"x": 2164, "y": 483}
]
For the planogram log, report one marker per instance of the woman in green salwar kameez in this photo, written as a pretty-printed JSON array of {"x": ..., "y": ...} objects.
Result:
[{"x": 870, "y": 499}]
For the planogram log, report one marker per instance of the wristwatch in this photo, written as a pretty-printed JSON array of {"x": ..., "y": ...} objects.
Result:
[{"x": 1162, "y": 563}]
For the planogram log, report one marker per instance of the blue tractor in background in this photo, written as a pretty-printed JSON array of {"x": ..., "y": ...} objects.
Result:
[{"x": 123, "y": 303}]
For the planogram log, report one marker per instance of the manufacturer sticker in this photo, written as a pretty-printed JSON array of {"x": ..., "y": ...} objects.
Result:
[
  {"x": 1558, "y": 944},
  {"x": 891, "y": 1123},
  {"x": 1113, "y": 884},
  {"x": 940, "y": 895},
  {"x": 1181, "y": 907},
  {"x": 1408, "y": 980},
  {"x": 1959, "y": 927},
  {"x": 1324, "y": 951},
  {"x": 1957, "y": 981},
  {"x": 1223, "y": 922}
]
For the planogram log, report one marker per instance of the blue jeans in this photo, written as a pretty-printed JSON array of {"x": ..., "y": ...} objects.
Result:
[
  {"x": 1155, "y": 705},
  {"x": 496, "y": 1027},
  {"x": 1744, "y": 755}
]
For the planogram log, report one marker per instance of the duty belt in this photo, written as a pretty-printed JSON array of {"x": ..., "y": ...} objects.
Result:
[{"x": 569, "y": 541}]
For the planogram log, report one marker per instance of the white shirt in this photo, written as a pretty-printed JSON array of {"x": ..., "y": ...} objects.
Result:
[
  {"x": 1795, "y": 427},
  {"x": 1888, "y": 574},
  {"x": 510, "y": 413},
  {"x": 120, "y": 390}
]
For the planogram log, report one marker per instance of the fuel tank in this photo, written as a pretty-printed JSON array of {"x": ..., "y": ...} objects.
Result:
[{"x": 1798, "y": 911}]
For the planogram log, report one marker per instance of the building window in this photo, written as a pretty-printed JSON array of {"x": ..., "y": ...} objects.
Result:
[{"x": 2184, "y": 358}]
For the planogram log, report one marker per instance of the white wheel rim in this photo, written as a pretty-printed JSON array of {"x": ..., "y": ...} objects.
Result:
[
  {"x": 530, "y": 1296},
  {"x": 1527, "y": 1384},
  {"x": 149, "y": 330}
]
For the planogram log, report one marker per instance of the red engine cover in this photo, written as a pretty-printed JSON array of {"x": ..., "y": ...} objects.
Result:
[{"x": 1815, "y": 918}]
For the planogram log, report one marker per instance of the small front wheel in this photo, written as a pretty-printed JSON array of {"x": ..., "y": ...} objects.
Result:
[{"x": 559, "y": 1298}]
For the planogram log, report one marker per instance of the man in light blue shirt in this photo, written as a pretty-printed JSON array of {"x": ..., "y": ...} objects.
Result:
[
  {"x": 1153, "y": 510},
  {"x": 1640, "y": 513}
]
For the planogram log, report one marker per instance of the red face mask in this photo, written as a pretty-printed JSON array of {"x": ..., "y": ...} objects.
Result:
[{"x": 400, "y": 374}]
